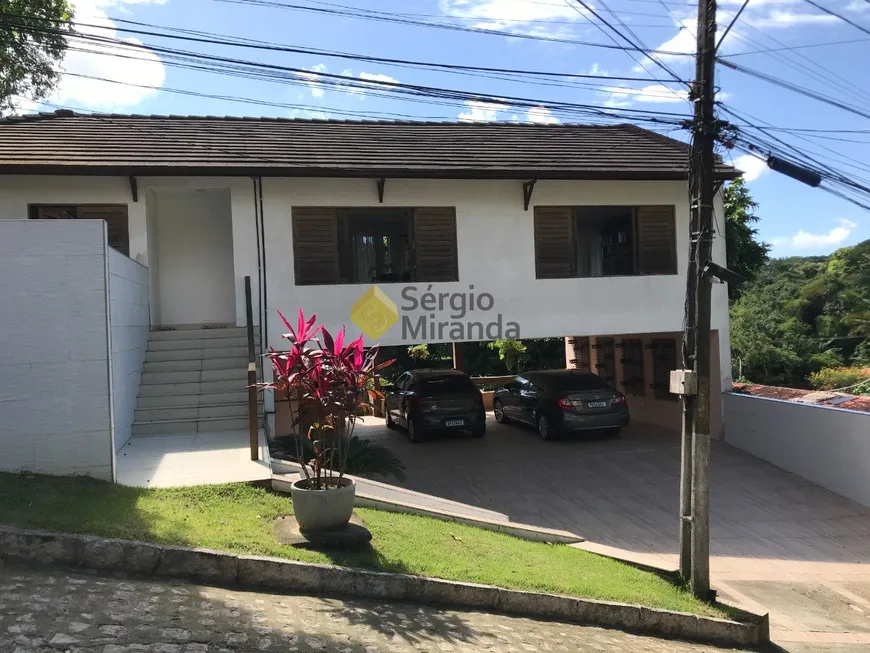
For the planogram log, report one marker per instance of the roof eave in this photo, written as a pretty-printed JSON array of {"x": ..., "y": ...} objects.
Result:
[{"x": 392, "y": 173}]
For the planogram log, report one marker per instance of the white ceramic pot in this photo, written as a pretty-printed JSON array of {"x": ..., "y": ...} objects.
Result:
[{"x": 323, "y": 510}]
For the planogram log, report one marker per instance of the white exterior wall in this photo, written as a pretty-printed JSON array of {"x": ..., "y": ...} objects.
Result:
[
  {"x": 129, "y": 327},
  {"x": 828, "y": 446},
  {"x": 495, "y": 239},
  {"x": 54, "y": 354},
  {"x": 17, "y": 191},
  {"x": 194, "y": 245}
]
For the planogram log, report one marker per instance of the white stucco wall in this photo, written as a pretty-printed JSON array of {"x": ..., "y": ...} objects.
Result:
[
  {"x": 129, "y": 329},
  {"x": 828, "y": 446},
  {"x": 496, "y": 255},
  {"x": 54, "y": 356},
  {"x": 194, "y": 247},
  {"x": 495, "y": 249}
]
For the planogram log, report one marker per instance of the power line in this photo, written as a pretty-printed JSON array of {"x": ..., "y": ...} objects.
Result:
[
  {"x": 395, "y": 19},
  {"x": 220, "y": 39},
  {"x": 840, "y": 16},
  {"x": 794, "y": 87},
  {"x": 344, "y": 82},
  {"x": 731, "y": 24},
  {"x": 796, "y": 47}
]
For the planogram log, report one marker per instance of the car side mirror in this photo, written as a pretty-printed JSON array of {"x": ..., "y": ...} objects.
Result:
[
  {"x": 389, "y": 387},
  {"x": 507, "y": 386}
]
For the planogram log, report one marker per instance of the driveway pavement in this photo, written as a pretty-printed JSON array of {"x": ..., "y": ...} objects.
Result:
[
  {"x": 48, "y": 611},
  {"x": 779, "y": 543}
]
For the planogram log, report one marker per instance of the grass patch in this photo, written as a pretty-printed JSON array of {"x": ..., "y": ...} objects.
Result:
[{"x": 239, "y": 518}]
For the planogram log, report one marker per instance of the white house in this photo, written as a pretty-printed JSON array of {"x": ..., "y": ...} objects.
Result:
[{"x": 473, "y": 231}]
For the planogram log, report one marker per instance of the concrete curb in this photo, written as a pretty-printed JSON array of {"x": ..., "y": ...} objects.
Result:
[
  {"x": 281, "y": 483},
  {"x": 287, "y": 575}
]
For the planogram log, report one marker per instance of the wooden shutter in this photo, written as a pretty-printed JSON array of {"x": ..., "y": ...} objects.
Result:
[
  {"x": 435, "y": 255},
  {"x": 554, "y": 242},
  {"x": 315, "y": 246},
  {"x": 117, "y": 228},
  {"x": 656, "y": 238}
]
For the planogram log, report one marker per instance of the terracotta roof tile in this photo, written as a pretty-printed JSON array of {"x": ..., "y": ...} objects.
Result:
[{"x": 818, "y": 397}]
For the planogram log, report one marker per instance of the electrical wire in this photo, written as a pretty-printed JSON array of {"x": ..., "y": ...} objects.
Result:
[
  {"x": 840, "y": 16},
  {"x": 387, "y": 17},
  {"x": 795, "y": 47}
]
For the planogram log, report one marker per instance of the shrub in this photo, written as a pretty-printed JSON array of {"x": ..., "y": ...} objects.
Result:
[
  {"x": 363, "y": 457},
  {"x": 835, "y": 378}
]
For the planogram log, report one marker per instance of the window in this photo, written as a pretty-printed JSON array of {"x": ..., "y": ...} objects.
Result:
[
  {"x": 604, "y": 241},
  {"x": 664, "y": 352},
  {"x": 448, "y": 384},
  {"x": 114, "y": 215},
  {"x": 374, "y": 245},
  {"x": 402, "y": 381}
]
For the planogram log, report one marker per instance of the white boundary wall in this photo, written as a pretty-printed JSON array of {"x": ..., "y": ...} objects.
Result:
[
  {"x": 54, "y": 353},
  {"x": 828, "y": 446},
  {"x": 129, "y": 328}
]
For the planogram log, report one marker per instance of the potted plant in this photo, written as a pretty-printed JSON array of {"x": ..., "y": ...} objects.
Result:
[{"x": 326, "y": 383}]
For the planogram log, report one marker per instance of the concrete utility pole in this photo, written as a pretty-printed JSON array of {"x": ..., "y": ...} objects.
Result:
[{"x": 701, "y": 183}]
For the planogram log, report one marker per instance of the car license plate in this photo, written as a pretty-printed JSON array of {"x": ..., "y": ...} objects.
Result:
[
  {"x": 454, "y": 422},
  {"x": 596, "y": 404}
]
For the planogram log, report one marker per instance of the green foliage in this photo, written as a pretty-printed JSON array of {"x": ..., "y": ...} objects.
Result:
[
  {"x": 30, "y": 55},
  {"x": 363, "y": 458},
  {"x": 836, "y": 378},
  {"x": 746, "y": 255},
  {"x": 419, "y": 352},
  {"x": 803, "y": 314},
  {"x": 512, "y": 352}
]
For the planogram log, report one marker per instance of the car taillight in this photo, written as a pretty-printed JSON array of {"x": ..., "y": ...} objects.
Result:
[
  {"x": 619, "y": 400},
  {"x": 565, "y": 404}
]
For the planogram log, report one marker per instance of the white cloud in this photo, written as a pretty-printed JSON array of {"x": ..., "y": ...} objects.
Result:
[
  {"x": 778, "y": 18},
  {"x": 752, "y": 166},
  {"x": 313, "y": 79},
  {"x": 595, "y": 69},
  {"x": 512, "y": 15},
  {"x": 482, "y": 111},
  {"x": 146, "y": 69},
  {"x": 623, "y": 96},
  {"x": 542, "y": 116},
  {"x": 806, "y": 241}
]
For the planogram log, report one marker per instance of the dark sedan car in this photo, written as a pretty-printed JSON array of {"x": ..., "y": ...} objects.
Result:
[
  {"x": 425, "y": 401},
  {"x": 557, "y": 401}
]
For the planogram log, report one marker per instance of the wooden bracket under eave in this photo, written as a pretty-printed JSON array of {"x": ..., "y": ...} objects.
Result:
[
  {"x": 134, "y": 188},
  {"x": 528, "y": 187},
  {"x": 381, "y": 183},
  {"x": 717, "y": 186}
]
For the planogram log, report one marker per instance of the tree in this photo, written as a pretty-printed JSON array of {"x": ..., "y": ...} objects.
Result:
[
  {"x": 746, "y": 254},
  {"x": 32, "y": 45}
]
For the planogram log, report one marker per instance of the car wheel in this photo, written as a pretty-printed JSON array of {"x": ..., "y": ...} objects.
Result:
[
  {"x": 390, "y": 423},
  {"x": 545, "y": 429},
  {"x": 498, "y": 409},
  {"x": 415, "y": 433},
  {"x": 478, "y": 431}
]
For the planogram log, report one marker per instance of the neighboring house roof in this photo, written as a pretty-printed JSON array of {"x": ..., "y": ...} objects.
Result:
[
  {"x": 818, "y": 397},
  {"x": 68, "y": 143}
]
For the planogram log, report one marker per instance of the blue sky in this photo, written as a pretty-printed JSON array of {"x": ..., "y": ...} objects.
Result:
[{"x": 796, "y": 219}]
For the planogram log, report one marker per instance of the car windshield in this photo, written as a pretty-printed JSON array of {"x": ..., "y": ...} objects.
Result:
[
  {"x": 441, "y": 385},
  {"x": 573, "y": 383}
]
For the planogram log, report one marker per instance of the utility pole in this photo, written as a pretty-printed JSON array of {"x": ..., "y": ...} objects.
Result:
[{"x": 701, "y": 184}]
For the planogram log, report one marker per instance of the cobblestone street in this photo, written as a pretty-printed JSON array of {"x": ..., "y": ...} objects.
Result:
[{"x": 48, "y": 610}]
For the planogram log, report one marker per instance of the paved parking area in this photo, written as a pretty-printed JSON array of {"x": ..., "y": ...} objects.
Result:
[{"x": 779, "y": 542}]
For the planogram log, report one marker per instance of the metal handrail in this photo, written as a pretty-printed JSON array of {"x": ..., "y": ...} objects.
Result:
[{"x": 253, "y": 418}]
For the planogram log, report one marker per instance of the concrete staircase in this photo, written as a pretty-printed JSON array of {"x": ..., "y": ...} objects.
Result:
[{"x": 194, "y": 381}]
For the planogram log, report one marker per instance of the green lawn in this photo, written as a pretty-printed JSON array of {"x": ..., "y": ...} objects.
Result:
[{"x": 239, "y": 518}]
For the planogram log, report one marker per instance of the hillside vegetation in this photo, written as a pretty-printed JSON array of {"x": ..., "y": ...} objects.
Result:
[{"x": 802, "y": 315}]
